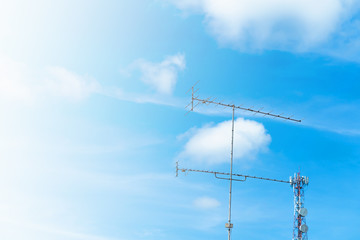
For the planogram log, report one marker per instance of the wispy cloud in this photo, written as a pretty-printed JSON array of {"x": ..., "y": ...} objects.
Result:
[
  {"x": 19, "y": 230},
  {"x": 138, "y": 97},
  {"x": 67, "y": 84},
  {"x": 331, "y": 114},
  {"x": 160, "y": 76},
  {"x": 325, "y": 26},
  {"x": 20, "y": 83},
  {"x": 206, "y": 203},
  {"x": 211, "y": 143}
]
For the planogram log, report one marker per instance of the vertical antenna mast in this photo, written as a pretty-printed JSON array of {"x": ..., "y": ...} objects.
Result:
[
  {"x": 230, "y": 225},
  {"x": 195, "y": 101}
]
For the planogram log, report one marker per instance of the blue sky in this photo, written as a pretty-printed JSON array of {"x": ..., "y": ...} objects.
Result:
[{"x": 92, "y": 96}]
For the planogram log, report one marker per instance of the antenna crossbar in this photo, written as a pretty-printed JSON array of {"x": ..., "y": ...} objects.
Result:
[
  {"x": 212, "y": 101},
  {"x": 208, "y": 101},
  {"x": 227, "y": 174}
]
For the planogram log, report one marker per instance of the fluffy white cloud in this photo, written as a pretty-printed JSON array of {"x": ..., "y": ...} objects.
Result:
[
  {"x": 211, "y": 144},
  {"x": 296, "y": 25},
  {"x": 161, "y": 76},
  {"x": 18, "y": 82},
  {"x": 206, "y": 203}
]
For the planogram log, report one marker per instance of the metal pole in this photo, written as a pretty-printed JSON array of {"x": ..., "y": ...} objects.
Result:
[{"x": 231, "y": 167}]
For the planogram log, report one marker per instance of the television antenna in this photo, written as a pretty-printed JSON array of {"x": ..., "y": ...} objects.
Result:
[
  {"x": 297, "y": 183},
  {"x": 195, "y": 101}
]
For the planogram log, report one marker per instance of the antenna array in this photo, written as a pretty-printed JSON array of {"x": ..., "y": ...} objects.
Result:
[{"x": 195, "y": 101}]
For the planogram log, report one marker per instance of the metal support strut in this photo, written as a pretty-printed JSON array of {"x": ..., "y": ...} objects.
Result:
[{"x": 229, "y": 225}]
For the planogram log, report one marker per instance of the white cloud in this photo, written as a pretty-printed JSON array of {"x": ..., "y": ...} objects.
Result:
[
  {"x": 19, "y": 82},
  {"x": 161, "y": 76},
  {"x": 144, "y": 98},
  {"x": 206, "y": 203},
  {"x": 295, "y": 25},
  {"x": 24, "y": 84},
  {"x": 62, "y": 82},
  {"x": 211, "y": 143}
]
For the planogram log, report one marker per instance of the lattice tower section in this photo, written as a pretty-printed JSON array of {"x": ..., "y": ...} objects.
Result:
[{"x": 300, "y": 228}]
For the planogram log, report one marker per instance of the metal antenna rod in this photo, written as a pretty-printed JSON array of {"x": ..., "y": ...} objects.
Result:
[
  {"x": 210, "y": 101},
  {"x": 245, "y": 177},
  {"x": 229, "y": 225}
]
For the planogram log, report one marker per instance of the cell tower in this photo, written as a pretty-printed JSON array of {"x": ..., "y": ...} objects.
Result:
[
  {"x": 195, "y": 100},
  {"x": 300, "y": 228}
]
